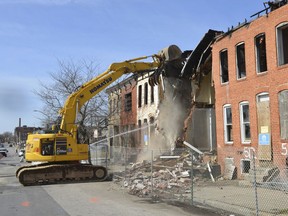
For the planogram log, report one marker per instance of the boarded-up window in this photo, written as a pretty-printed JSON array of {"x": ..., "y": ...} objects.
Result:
[
  {"x": 228, "y": 124},
  {"x": 282, "y": 43},
  {"x": 224, "y": 66},
  {"x": 261, "y": 60},
  {"x": 283, "y": 110},
  {"x": 240, "y": 57},
  {"x": 264, "y": 128}
]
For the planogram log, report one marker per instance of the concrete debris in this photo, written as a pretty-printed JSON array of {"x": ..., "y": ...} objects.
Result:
[{"x": 168, "y": 175}]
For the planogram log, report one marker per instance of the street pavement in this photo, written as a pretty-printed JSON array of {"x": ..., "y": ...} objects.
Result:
[
  {"x": 109, "y": 198},
  {"x": 101, "y": 198}
]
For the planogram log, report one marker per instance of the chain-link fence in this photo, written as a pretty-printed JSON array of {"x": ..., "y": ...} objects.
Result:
[{"x": 241, "y": 186}]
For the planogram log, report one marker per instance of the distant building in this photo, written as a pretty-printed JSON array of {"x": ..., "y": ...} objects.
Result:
[{"x": 22, "y": 132}]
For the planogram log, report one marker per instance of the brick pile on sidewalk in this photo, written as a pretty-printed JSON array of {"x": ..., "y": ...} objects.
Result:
[{"x": 165, "y": 176}]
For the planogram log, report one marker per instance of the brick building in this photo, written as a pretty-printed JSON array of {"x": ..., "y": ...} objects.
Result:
[
  {"x": 22, "y": 132},
  {"x": 128, "y": 111},
  {"x": 122, "y": 112},
  {"x": 250, "y": 73}
]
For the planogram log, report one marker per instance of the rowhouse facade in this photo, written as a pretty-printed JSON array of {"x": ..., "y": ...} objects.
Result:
[{"x": 250, "y": 73}]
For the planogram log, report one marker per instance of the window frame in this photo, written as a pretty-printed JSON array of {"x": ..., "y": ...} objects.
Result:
[
  {"x": 152, "y": 94},
  {"x": 244, "y": 140},
  {"x": 221, "y": 66},
  {"x": 263, "y": 96},
  {"x": 257, "y": 56},
  {"x": 238, "y": 74},
  {"x": 226, "y": 141},
  {"x": 128, "y": 102},
  {"x": 282, "y": 120},
  {"x": 140, "y": 96},
  {"x": 279, "y": 44},
  {"x": 146, "y": 93}
]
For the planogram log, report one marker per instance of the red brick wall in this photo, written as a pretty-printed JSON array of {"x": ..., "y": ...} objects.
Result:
[
  {"x": 129, "y": 118},
  {"x": 236, "y": 91}
]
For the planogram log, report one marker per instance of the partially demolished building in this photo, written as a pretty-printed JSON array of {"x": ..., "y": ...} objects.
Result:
[{"x": 231, "y": 97}]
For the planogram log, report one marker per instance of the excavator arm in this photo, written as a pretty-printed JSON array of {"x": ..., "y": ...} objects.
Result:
[{"x": 87, "y": 91}]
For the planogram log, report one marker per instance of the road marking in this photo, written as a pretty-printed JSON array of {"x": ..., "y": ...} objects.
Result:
[
  {"x": 94, "y": 200},
  {"x": 25, "y": 204}
]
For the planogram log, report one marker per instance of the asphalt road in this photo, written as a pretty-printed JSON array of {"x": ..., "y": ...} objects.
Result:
[{"x": 104, "y": 198}]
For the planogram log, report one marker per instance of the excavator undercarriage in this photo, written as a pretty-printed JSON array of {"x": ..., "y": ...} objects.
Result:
[{"x": 48, "y": 173}]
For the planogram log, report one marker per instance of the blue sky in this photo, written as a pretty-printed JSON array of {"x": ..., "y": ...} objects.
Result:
[{"x": 35, "y": 34}]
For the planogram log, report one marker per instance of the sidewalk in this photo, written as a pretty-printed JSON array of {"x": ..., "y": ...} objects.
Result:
[{"x": 241, "y": 200}]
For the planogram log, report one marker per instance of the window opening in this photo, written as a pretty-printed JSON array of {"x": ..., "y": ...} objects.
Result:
[
  {"x": 146, "y": 93},
  {"x": 140, "y": 96},
  {"x": 282, "y": 44},
  {"x": 128, "y": 102},
  {"x": 261, "y": 60},
  {"x": 228, "y": 124},
  {"x": 245, "y": 165},
  {"x": 152, "y": 94},
  {"x": 224, "y": 66},
  {"x": 245, "y": 122},
  {"x": 240, "y": 57}
]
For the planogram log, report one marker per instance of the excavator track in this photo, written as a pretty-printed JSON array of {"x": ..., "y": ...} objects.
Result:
[{"x": 60, "y": 173}]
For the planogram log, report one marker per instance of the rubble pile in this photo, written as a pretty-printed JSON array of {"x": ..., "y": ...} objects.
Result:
[{"x": 165, "y": 176}]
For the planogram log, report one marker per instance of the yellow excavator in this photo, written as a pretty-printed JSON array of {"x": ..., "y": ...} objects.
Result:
[{"x": 59, "y": 153}]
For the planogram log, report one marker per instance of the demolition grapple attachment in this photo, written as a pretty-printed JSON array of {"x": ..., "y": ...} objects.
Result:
[{"x": 173, "y": 61}]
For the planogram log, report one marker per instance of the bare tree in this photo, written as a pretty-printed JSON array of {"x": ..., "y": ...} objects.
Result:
[
  {"x": 6, "y": 137},
  {"x": 65, "y": 81}
]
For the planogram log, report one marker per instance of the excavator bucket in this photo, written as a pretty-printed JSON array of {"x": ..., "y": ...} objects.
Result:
[
  {"x": 170, "y": 53},
  {"x": 173, "y": 62}
]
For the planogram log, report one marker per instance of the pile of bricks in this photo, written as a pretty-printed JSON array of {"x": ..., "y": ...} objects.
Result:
[{"x": 164, "y": 176}]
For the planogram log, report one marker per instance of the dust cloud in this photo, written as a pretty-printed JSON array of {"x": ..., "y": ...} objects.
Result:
[{"x": 169, "y": 122}]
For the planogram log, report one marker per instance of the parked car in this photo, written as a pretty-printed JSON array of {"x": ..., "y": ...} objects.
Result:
[{"x": 3, "y": 151}]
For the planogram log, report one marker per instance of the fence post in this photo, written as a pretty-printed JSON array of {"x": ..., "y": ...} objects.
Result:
[
  {"x": 96, "y": 156},
  {"x": 191, "y": 173},
  {"x": 125, "y": 163},
  {"x": 106, "y": 156},
  {"x": 255, "y": 185},
  {"x": 152, "y": 186}
]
